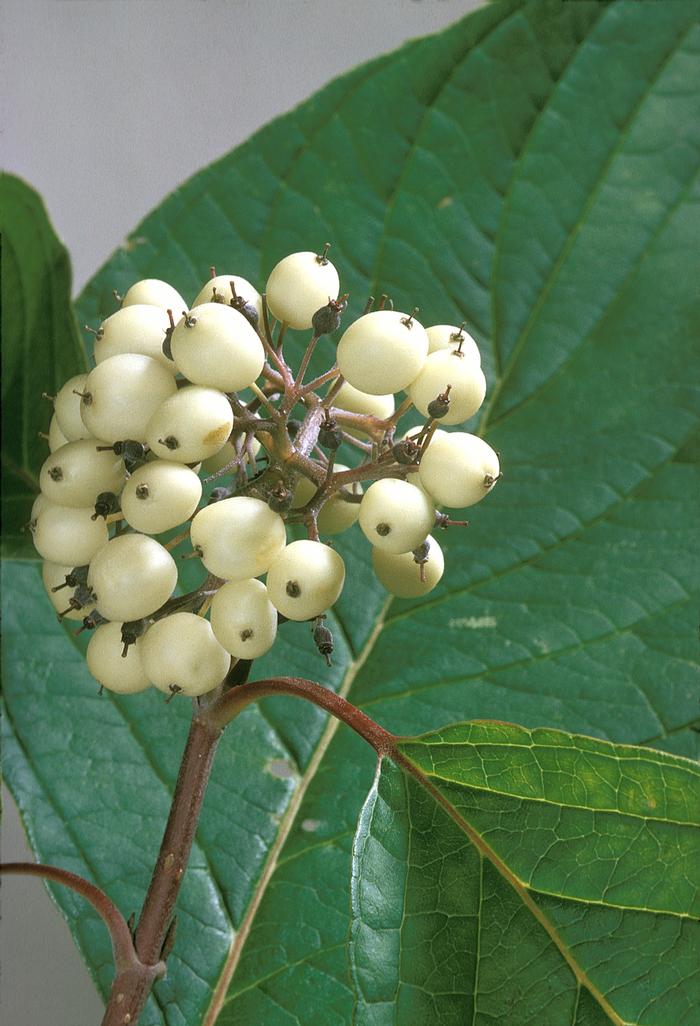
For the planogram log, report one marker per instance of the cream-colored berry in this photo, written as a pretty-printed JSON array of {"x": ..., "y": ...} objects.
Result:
[
  {"x": 401, "y": 575},
  {"x": 215, "y": 345},
  {"x": 336, "y": 514},
  {"x": 465, "y": 378},
  {"x": 181, "y": 654},
  {"x": 459, "y": 469},
  {"x": 123, "y": 674},
  {"x": 68, "y": 535},
  {"x": 54, "y": 576},
  {"x": 122, "y": 393},
  {"x": 160, "y": 495},
  {"x": 137, "y": 328},
  {"x": 67, "y": 409},
  {"x": 219, "y": 290},
  {"x": 132, "y": 576},
  {"x": 382, "y": 352},
  {"x": 56, "y": 436},
  {"x": 227, "y": 454},
  {"x": 305, "y": 579},
  {"x": 299, "y": 285},
  {"x": 238, "y": 537},
  {"x": 243, "y": 619},
  {"x": 354, "y": 401},
  {"x": 396, "y": 516},
  {"x": 190, "y": 425},
  {"x": 75, "y": 474},
  {"x": 449, "y": 336},
  {"x": 154, "y": 292}
]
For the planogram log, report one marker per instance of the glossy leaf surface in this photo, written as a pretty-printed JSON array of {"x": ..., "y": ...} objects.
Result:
[
  {"x": 533, "y": 171},
  {"x": 534, "y": 876}
]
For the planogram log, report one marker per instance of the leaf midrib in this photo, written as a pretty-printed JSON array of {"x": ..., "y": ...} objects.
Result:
[{"x": 520, "y": 889}]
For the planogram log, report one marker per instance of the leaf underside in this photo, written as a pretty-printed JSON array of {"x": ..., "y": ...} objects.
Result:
[{"x": 533, "y": 171}]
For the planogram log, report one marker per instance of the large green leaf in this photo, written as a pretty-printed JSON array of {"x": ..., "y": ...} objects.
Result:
[
  {"x": 41, "y": 348},
  {"x": 533, "y": 170},
  {"x": 530, "y": 877}
]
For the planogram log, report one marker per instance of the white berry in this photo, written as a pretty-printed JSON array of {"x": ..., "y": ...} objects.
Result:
[
  {"x": 305, "y": 579},
  {"x": 160, "y": 495},
  {"x": 401, "y": 575},
  {"x": 181, "y": 654},
  {"x": 122, "y": 393},
  {"x": 67, "y": 409},
  {"x": 299, "y": 285},
  {"x": 190, "y": 425},
  {"x": 124, "y": 675},
  {"x": 56, "y": 436},
  {"x": 449, "y": 336},
  {"x": 382, "y": 352},
  {"x": 458, "y": 469},
  {"x": 138, "y": 328},
  {"x": 41, "y": 502},
  {"x": 154, "y": 292},
  {"x": 68, "y": 535},
  {"x": 449, "y": 367},
  {"x": 75, "y": 474},
  {"x": 221, "y": 286},
  {"x": 396, "y": 516},
  {"x": 131, "y": 576},
  {"x": 216, "y": 345},
  {"x": 243, "y": 619},
  {"x": 238, "y": 537}
]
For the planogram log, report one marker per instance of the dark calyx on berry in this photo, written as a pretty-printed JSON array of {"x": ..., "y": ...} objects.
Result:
[
  {"x": 105, "y": 503},
  {"x": 406, "y": 451},
  {"x": 326, "y": 320},
  {"x": 330, "y": 436}
]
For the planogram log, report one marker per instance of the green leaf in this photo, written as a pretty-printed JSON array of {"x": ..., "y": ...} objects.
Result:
[
  {"x": 41, "y": 348},
  {"x": 531, "y": 876},
  {"x": 533, "y": 171}
]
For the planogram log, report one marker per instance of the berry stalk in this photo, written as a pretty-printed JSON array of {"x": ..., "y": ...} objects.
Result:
[
  {"x": 154, "y": 932},
  {"x": 155, "y": 929}
]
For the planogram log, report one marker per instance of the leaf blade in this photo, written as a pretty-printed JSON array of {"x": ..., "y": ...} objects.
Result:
[{"x": 534, "y": 768}]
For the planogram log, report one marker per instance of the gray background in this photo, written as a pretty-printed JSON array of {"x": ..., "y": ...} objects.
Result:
[{"x": 107, "y": 106}]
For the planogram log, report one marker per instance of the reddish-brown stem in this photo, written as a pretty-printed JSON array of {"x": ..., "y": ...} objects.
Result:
[
  {"x": 366, "y": 422},
  {"x": 230, "y": 704},
  {"x": 308, "y": 353},
  {"x": 269, "y": 346},
  {"x": 333, "y": 391},
  {"x": 129, "y": 993},
  {"x": 177, "y": 840},
  {"x": 315, "y": 383},
  {"x": 122, "y": 944},
  {"x": 357, "y": 443},
  {"x": 131, "y": 988}
]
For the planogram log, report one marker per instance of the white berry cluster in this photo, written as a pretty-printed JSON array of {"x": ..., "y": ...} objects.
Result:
[{"x": 183, "y": 396}]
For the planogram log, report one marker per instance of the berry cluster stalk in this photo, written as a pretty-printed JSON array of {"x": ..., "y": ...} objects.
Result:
[{"x": 155, "y": 931}]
